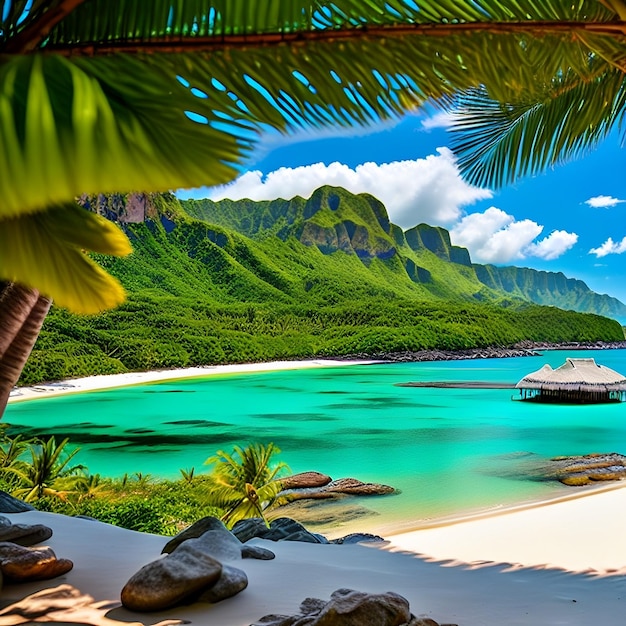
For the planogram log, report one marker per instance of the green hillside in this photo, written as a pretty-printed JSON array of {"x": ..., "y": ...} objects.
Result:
[{"x": 327, "y": 276}]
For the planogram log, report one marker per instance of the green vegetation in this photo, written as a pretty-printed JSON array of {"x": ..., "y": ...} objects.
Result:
[
  {"x": 242, "y": 484},
  {"x": 245, "y": 484},
  {"x": 201, "y": 294}
]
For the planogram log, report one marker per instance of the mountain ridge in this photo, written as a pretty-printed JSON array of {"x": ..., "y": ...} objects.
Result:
[{"x": 333, "y": 219}]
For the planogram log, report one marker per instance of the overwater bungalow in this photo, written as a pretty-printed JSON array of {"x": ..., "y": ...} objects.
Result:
[{"x": 577, "y": 381}]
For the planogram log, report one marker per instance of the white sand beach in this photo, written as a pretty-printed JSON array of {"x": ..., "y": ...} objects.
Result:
[
  {"x": 562, "y": 562},
  {"x": 111, "y": 381},
  {"x": 426, "y": 566}
]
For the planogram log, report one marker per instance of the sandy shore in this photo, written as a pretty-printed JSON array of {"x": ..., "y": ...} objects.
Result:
[
  {"x": 427, "y": 567},
  {"x": 550, "y": 563},
  {"x": 111, "y": 381}
]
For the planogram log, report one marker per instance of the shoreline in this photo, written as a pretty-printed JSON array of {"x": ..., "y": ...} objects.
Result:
[
  {"x": 394, "y": 530},
  {"x": 101, "y": 382},
  {"x": 560, "y": 560}
]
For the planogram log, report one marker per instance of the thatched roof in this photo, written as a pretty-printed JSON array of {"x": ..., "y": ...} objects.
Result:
[{"x": 581, "y": 374}]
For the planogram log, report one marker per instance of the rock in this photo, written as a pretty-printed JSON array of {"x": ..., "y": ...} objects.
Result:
[
  {"x": 357, "y": 538},
  {"x": 9, "y": 504},
  {"x": 231, "y": 581},
  {"x": 164, "y": 583},
  {"x": 22, "y": 564},
  {"x": 247, "y": 529},
  {"x": 23, "y": 534},
  {"x": 217, "y": 540},
  {"x": 357, "y": 488},
  {"x": 351, "y": 608},
  {"x": 281, "y": 529},
  {"x": 305, "y": 479},
  {"x": 355, "y": 608},
  {"x": 256, "y": 552},
  {"x": 220, "y": 545}
]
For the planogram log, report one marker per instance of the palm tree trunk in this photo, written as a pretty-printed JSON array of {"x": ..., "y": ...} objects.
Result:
[{"x": 22, "y": 312}]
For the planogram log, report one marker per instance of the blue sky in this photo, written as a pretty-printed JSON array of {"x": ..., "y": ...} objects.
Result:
[{"x": 569, "y": 219}]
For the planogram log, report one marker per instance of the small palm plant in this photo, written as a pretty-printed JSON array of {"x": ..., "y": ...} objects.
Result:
[
  {"x": 48, "y": 473},
  {"x": 245, "y": 483}
]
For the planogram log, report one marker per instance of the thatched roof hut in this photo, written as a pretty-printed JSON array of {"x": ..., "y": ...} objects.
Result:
[{"x": 577, "y": 381}]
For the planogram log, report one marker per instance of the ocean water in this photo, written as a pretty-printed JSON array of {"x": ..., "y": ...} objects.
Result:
[{"x": 450, "y": 452}]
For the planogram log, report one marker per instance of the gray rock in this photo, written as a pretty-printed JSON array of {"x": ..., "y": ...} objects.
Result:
[
  {"x": 9, "y": 504},
  {"x": 195, "y": 530},
  {"x": 220, "y": 544},
  {"x": 25, "y": 534},
  {"x": 356, "y": 608},
  {"x": 256, "y": 552},
  {"x": 357, "y": 538},
  {"x": 281, "y": 529},
  {"x": 351, "y": 608},
  {"x": 171, "y": 580},
  {"x": 23, "y": 564},
  {"x": 247, "y": 529},
  {"x": 231, "y": 581}
]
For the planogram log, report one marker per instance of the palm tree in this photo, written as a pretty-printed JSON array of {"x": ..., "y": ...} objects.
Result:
[
  {"x": 104, "y": 96},
  {"x": 245, "y": 484},
  {"x": 49, "y": 472}
]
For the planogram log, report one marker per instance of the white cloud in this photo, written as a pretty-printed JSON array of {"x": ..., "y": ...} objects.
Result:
[
  {"x": 427, "y": 190},
  {"x": 609, "y": 247},
  {"x": 441, "y": 119},
  {"x": 496, "y": 237},
  {"x": 553, "y": 246},
  {"x": 603, "y": 202}
]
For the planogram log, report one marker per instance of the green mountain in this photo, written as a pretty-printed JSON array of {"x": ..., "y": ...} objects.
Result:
[
  {"x": 226, "y": 282},
  {"x": 333, "y": 219}
]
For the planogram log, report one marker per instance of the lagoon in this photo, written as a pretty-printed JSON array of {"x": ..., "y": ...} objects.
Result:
[{"x": 451, "y": 452}]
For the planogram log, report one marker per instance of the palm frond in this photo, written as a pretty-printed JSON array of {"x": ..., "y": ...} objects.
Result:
[
  {"x": 497, "y": 143},
  {"x": 45, "y": 250},
  {"x": 85, "y": 118}
]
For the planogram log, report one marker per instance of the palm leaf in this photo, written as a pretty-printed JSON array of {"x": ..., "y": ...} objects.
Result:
[
  {"x": 496, "y": 144},
  {"x": 45, "y": 250},
  {"x": 202, "y": 80}
]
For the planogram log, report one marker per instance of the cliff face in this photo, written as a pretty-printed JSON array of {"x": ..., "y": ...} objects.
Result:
[{"x": 242, "y": 240}]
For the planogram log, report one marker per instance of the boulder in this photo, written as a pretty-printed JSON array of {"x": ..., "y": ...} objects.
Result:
[
  {"x": 357, "y": 538},
  {"x": 211, "y": 537},
  {"x": 181, "y": 575},
  {"x": 256, "y": 552},
  {"x": 23, "y": 534},
  {"x": 347, "y": 607},
  {"x": 305, "y": 479},
  {"x": 355, "y": 487},
  {"x": 232, "y": 580},
  {"x": 23, "y": 564},
  {"x": 9, "y": 504},
  {"x": 281, "y": 529}
]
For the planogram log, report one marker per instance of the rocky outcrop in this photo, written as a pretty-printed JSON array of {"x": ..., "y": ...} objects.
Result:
[
  {"x": 287, "y": 529},
  {"x": 311, "y": 487},
  {"x": 19, "y": 564},
  {"x": 201, "y": 565},
  {"x": 347, "y": 607},
  {"x": 9, "y": 504},
  {"x": 23, "y": 534},
  {"x": 587, "y": 469}
]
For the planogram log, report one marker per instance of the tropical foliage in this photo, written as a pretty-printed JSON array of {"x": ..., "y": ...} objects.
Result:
[
  {"x": 102, "y": 95},
  {"x": 245, "y": 483},
  {"x": 48, "y": 473}
]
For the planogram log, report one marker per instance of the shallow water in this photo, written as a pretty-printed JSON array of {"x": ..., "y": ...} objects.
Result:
[{"x": 449, "y": 451}]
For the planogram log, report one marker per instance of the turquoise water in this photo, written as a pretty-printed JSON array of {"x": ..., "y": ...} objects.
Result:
[{"x": 449, "y": 451}]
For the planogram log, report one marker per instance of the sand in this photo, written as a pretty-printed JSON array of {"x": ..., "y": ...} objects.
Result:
[
  {"x": 111, "y": 381},
  {"x": 562, "y": 562}
]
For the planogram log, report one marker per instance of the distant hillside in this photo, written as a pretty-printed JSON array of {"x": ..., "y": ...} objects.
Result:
[
  {"x": 323, "y": 277},
  {"x": 333, "y": 219}
]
